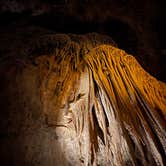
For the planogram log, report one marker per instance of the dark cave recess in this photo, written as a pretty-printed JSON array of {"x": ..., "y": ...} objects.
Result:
[
  {"x": 123, "y": 33},
  {"x": 119, "y": 31}
]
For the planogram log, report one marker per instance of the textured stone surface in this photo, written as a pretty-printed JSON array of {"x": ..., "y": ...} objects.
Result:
[{"x": 79, "y": 100}]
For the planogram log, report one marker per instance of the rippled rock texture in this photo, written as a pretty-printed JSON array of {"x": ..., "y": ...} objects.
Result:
[{"x": 79, "y": 100}]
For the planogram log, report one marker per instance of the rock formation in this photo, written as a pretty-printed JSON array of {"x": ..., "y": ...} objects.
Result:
[{"x": 79, "y": 100}]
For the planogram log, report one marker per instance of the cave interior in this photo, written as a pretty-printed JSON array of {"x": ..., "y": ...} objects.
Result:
[{"x": 137, "y": 27}]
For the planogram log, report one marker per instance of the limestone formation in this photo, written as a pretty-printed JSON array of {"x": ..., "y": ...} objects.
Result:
[{"x": 79, "y": 100}]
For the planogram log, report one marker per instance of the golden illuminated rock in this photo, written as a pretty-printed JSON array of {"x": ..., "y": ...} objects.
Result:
[{"x": 82, "y": 101}]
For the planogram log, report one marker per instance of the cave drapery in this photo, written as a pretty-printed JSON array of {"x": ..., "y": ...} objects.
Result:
[{"x": 97, "y": 101}]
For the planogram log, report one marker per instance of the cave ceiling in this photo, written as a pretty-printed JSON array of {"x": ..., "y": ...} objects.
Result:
[{"x": 136, "y": 26}]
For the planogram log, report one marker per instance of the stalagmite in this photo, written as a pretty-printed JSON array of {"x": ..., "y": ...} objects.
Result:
[{"x": 82, "y": 101}]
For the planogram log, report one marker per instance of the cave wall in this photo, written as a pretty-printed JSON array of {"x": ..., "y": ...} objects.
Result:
[
  {"x": 78, "y": 100},
  {"x": 135, "y": 26}
]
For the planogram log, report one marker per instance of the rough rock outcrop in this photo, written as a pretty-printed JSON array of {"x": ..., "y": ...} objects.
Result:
[{"x": 79, "y": 100}]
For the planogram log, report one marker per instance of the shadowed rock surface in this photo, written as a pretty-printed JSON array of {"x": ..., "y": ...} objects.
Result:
[
  {"x": 137, "y": 26},
  {"x": 79, "y": 100}
]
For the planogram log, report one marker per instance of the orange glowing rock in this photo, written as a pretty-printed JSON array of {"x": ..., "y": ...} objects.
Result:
[{"x": 99, "y": 102}]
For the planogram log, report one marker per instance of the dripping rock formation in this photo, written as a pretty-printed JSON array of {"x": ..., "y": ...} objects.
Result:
[{"x": 79, "y": 100}]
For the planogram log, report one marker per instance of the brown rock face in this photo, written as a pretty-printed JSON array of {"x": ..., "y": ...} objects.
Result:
[{"x": 79, "y": 100}]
